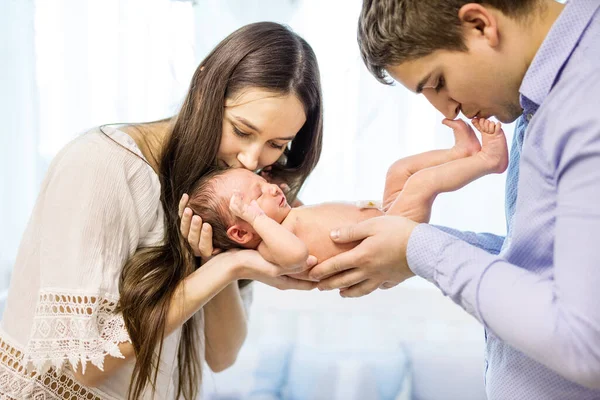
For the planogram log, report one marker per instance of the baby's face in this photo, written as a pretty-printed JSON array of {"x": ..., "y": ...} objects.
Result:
[{"x": 270, "y": 197}]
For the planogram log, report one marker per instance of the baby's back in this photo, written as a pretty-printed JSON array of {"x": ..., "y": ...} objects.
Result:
[{"x": 312, "y": 224}]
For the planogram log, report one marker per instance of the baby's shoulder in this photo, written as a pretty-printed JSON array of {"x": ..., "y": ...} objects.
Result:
[{"x": 291, "y": 221}]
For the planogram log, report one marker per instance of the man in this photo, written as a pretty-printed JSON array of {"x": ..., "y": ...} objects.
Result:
[{"x": 537, "y": 292}]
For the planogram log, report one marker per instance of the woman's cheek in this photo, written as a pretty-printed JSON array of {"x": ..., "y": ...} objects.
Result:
[{"x": 270, "y": 159}]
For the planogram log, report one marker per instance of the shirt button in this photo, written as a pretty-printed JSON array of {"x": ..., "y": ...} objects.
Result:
[{"x": 529, "y": 116}]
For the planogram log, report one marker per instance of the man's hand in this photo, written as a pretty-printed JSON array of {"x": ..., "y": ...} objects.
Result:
[{"x": 379, "y": 260}]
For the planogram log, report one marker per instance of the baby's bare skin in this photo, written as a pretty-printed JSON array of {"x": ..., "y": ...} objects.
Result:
[{"x": 312, "y": 225}]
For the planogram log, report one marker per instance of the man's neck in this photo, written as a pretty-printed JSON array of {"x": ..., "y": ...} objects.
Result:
[{"x": 536, "y": 29}]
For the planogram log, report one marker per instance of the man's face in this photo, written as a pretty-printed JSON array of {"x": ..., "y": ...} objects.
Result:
[{"x": 479, "y": 82}]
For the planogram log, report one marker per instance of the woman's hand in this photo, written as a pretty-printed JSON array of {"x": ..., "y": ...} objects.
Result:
[
  {"x": 198, "y": 234},
  {"x": 249, "y": 264}
]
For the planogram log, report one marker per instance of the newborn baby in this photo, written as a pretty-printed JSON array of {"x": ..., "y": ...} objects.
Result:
[{"x": 246, "y": 211}]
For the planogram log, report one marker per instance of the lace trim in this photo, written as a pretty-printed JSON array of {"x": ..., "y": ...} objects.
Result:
[
  {"x": 17, "y": 383},
  {"x": 74, "y": 328}
]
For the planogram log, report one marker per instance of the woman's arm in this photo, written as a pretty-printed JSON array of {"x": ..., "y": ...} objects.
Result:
[
  {"x": 225, "y": 328},
  {"x": 191, "y": 295},
  {"x": 198, "y": 289}
]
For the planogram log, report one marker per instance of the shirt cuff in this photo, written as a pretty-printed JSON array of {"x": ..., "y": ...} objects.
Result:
[
  {"x": 452, "y": 265},
  {"x": 424, "y": 249}
]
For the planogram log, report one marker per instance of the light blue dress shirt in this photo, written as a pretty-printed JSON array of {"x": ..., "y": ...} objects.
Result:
[{"x": 537, "y": 291}]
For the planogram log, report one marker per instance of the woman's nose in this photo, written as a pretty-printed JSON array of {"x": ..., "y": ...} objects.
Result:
[{"x": 249, "y": 158}]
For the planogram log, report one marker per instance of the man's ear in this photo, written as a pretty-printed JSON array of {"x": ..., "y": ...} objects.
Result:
[
  {"x": 480, "y": 22},
  {"x": 239, "y": 234}
]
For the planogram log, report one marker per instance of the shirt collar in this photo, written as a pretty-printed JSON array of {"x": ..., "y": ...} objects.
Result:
[{"x": 555, "y": 51}]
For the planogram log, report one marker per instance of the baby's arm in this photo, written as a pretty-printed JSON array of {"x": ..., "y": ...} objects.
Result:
[{"x": 279, "y": 245}]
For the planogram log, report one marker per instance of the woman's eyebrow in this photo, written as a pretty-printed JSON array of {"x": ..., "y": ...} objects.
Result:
[{"x": 248, "y": 124}]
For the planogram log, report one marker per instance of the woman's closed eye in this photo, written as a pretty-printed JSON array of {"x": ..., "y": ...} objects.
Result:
[
  {"x": 278, "y": 146},
  {"x": 245, "y": 135},
  {"x": 240, "y": 133}
]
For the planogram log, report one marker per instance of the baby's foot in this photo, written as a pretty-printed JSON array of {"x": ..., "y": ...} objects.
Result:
[
  {"x": 466, "y": 143},
  {"x": 494, "y": 149}
]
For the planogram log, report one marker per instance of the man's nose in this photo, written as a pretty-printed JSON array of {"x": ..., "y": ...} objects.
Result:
[{"x": 444, "y": 103}]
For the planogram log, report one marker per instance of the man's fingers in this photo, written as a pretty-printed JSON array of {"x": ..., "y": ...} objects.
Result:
[
  {"x": 351, "y": 233},
  {"x": 182, "y": 203},
  {"x": 342, "y": 280},
  {"x": 362, "y": 289},
  {"x": 334, "y": 265}
]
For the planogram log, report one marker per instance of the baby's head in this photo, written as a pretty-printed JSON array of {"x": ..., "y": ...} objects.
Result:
[{"x": 210, "y": 200}]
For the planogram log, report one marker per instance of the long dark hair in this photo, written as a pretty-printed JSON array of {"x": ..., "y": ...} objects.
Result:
[{"x": 263, "y": 55}]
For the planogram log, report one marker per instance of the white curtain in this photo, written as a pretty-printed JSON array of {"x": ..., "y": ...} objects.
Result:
[
  {"x": 73, "y": 64},
  {"x": 19, "y": 161}
]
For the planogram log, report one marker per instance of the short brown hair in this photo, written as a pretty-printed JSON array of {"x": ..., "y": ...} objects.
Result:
[{"x": 391, "y": 32}]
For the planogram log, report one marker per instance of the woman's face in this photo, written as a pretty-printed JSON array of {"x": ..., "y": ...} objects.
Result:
[{"x": 257, "y": 127}]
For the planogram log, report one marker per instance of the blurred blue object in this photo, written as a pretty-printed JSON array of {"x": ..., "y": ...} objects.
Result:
[{"x": 298, "y": 372}]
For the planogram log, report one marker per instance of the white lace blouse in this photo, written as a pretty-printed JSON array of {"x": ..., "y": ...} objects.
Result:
[{"x": 97, "y": 205}]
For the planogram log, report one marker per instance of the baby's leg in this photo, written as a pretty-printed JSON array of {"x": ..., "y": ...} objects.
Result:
[
  {"x": 466, "y": 144},
  {"x": 421, "y": 188}
]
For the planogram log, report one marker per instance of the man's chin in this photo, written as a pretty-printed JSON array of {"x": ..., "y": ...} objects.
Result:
[
  {"x": 507, "y": 120},
  {"x": 509, "y": 114}
]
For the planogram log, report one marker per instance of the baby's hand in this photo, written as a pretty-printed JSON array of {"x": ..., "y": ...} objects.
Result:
[{"x": 247, "y": 212}]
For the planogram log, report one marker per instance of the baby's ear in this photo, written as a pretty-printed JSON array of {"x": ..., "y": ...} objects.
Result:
[{"x": 239, "y": 234}]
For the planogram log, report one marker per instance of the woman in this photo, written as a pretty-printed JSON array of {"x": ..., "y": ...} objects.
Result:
[{"x": 106, "y": 299}]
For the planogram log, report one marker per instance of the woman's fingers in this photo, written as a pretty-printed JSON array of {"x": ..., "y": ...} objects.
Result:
[
  {"x": 287, "y": 283},
  {"x": 198, "y": 234},
  {"x": 205, "y": 245},
  {"x": 182, "y": 203},
  {"x": 186, "y": 222},
  {"x": 194, "y": 235}
]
